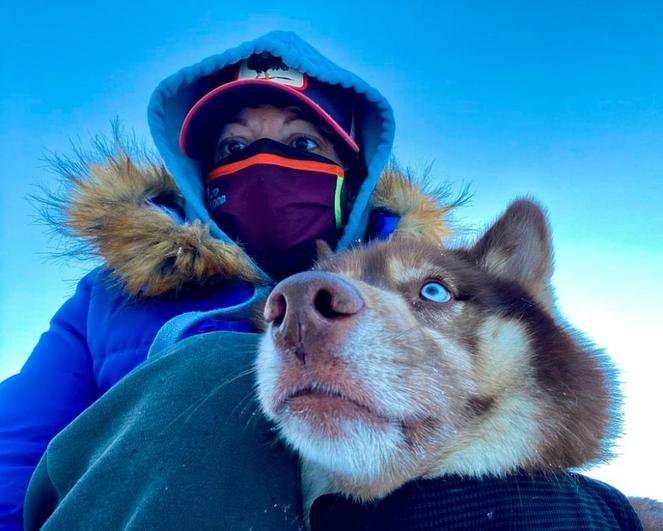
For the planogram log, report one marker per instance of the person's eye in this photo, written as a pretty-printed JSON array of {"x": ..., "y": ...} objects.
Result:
[
  {"x": 230, "y": 146},
  {"x": 304, "y": 143},
  {"x": 435, "y": 292}
]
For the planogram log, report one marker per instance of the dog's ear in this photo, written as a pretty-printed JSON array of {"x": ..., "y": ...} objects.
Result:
[
  {"x": 323, "y": 250},
  {"x": 518, "y": 247}
]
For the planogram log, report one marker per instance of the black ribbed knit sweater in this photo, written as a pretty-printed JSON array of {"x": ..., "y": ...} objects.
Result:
[{"x": 520, "y": 501}]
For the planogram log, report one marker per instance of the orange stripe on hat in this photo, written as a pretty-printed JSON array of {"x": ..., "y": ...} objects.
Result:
[{"x": 276, "y": 160}]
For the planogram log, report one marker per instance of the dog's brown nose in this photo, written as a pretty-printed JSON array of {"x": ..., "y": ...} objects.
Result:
[{"x": 310, "y": 311}]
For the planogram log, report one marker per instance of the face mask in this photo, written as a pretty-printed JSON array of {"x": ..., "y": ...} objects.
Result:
[{"x": 276, "y": 201}]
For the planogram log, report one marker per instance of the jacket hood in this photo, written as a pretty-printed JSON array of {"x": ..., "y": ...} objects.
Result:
[
  {"x": 174, "y": 97},
  {"x": 126, "y": 213}
]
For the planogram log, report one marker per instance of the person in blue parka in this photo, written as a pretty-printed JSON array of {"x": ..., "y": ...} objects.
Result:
[{"x": 265, "y": 149}]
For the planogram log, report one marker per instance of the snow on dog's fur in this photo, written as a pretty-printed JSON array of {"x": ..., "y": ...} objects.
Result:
[{"x": 404, "y": 360}]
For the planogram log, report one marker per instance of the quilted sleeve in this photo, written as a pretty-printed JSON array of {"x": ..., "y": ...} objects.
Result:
[{"x": 54, "y": 386}]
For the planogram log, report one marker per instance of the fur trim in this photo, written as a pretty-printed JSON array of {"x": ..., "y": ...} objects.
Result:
[
  {"x": 109, "y": 209},
  {"x": 423, "y": 214}
]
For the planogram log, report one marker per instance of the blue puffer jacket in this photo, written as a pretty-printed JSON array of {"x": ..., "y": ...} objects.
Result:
[{"x": 154, "y": 254}]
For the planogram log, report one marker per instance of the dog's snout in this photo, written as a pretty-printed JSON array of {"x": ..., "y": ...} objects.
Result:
[
  {"x": 309, "y": 311},
  {"x": 324, "y": 295}
]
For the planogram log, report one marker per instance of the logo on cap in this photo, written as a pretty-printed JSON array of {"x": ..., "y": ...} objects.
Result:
[{"x": 270, "y": 68}]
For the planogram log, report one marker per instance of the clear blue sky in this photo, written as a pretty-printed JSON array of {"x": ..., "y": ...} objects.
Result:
[{"x": 561, "y": 100}]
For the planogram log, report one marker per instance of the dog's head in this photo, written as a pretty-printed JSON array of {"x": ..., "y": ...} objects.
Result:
[{"x": 403, "y": 360}]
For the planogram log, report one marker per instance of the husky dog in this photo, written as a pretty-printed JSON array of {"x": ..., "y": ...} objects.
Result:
[{"x": 403, "y": 360}]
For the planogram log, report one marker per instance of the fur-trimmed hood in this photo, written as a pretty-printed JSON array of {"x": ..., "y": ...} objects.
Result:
[
  {"x": 174, "y": 97},
  {"x": 150, "y": 225},
  {"x": 125, "y": 212}
]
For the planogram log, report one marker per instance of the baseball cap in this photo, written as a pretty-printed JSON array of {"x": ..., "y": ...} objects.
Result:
[{"x": 265, "y": 78}]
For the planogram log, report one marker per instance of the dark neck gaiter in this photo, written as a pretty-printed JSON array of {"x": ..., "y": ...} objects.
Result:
[{"x": 276, "y": 201}]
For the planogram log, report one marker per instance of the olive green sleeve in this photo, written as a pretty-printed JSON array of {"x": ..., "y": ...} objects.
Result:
[
  {"x": 179, "y": 443},
  {"x": 42, "y": 497}
]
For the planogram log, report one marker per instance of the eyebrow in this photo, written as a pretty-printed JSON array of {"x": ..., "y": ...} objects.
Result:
[
  {"x": 245, "y": 123},
  {"x": 238, "y": 121},
  {"x": 297, "y": 114},
  {"x": 293, "y": 119}
]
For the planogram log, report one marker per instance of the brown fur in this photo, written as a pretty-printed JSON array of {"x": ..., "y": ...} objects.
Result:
[
  {"x": 569, "y": 376},
  {"x": 485, "y": 384},
  {"x": 147, "y": 252},
  {"x": 151, "y": 255},
  {"x": 423, "y": 217}
]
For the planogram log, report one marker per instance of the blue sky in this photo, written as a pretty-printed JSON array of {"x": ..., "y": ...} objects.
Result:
[{"x": 559, "y": 100}]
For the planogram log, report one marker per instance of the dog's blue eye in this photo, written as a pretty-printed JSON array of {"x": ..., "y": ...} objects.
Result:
[{"x": 435, "y": 292}]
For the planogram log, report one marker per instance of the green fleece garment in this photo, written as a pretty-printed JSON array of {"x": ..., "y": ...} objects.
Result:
[{"x": 179, "y": 443}]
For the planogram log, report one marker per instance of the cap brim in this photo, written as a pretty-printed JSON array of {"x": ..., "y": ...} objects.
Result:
[{"x": 203, "y": 121}]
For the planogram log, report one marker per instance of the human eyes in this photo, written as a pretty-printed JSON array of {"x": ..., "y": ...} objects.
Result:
[
  {"x": 304, "y": 143},
  {"x": 230, "y": 146}
]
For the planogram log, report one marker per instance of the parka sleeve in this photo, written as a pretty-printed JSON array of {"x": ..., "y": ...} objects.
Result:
[{"x": 54, "y": 386}]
